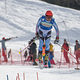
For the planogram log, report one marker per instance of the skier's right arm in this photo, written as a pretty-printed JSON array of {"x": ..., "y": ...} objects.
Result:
[
  {"x": 8, "y": 39},
  {"x": 37, "y": 27}
]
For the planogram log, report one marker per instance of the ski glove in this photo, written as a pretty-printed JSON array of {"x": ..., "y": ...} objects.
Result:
[
  {"x": 56, "y": 41},
  {"x": 37, "y": 34}
]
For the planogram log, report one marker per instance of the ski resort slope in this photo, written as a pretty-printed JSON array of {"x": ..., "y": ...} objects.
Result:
[{"x": 19, "y": 18}]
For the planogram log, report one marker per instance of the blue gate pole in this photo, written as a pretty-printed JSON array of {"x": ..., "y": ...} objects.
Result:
[{"x": 7, "y": 77}]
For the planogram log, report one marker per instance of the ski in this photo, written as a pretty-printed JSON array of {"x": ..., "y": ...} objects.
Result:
[
  {"x": 41, "y": 66},
  {"x": 77, "y": 68},
  {"x": 31, "y": 41}
]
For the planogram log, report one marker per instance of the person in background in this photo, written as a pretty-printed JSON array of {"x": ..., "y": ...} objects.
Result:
[
  {"x": 65, "y": 49},
  {"x": 32, "y": 51},
  {"x": 77, "y": 51},
  {"x": 51, "y": 55},
  {"x": 4, "y": 53}
]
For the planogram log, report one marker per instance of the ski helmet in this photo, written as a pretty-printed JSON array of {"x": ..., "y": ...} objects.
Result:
[
  {"x": 3, "y": 38},
  {"x": 49, "y": 13},
  {"x": 76, "y": 41}
]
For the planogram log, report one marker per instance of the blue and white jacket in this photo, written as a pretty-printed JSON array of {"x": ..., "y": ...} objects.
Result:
[{"x": 46, "y": 26}]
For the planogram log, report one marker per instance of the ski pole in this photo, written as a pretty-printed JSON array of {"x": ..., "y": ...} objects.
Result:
[
  {"x": 34, "y": 38},
  {"x": 12, "y": 37},
  {"x": 66, "y": 51},
  {"x": 60, "y": 60}
]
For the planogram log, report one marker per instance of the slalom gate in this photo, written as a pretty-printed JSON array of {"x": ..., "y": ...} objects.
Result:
[
  {"x": 23, "y": 76},
  {"x": 17, "y": 58}
]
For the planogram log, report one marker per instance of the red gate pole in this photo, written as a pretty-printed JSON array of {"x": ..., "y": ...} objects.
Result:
[
  {"x": 37, "y": 76},
  {"x": 23, "y": 76}
]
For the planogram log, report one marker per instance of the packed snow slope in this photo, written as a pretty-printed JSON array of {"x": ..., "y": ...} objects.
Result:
[{"x": 19, "y": 18}]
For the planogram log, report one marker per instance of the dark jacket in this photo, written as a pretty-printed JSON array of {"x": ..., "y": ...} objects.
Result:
[
  {"x": 33, "y": 48},
  {"x": 76, "y": 47}
]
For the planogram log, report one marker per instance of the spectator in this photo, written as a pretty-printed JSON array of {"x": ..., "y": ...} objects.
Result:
[
  {"x": 65, "y": 49},
  {"x": 51, "y": 54},
  {"x": 77, "y": 51},
  {"x": 32, "y": 52},
  {"x": 4, "y": 54}
]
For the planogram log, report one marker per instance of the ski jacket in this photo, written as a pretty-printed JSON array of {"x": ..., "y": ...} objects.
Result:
[
  {"x": 51, "y": 48},
  {"x": 3, "y": 43},
  {"x": 77, "y": 47},
  {"x": 32, "y": 48},
  {"x": 44, "y": 27},
  {"x": 65, "y": 47}
]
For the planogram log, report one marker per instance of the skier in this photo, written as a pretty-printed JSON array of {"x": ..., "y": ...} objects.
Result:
[
  {"x": 77, "y": 51},
  {"x": 51, "y": 55},
  {"x": 32, "y": 51},
  {"x": 4, "y": 54},
  {"x": 43, "y": 31},
  {"x": 65, "y": 49}
]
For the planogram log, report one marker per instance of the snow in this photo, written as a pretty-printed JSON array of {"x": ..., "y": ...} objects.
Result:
[
  {"x": 19, "y": 18},
  {"x": 44, "y": 74}
]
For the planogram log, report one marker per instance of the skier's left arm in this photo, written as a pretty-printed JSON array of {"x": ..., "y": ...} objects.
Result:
[{"x": 57, "y": 31}]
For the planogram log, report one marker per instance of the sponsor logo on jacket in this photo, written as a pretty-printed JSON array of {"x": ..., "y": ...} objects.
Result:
[{"x": 46, "y": 24}]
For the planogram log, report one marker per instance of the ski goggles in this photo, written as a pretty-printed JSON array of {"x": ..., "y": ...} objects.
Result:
[{"x": 49, "y": 17}]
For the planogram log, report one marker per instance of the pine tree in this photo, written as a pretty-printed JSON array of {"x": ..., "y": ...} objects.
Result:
[{"x": 67, "y": 3}]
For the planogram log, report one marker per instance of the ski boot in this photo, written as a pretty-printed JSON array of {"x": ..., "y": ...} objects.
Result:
[
  {"x": 39, "y": 59},
  {"x": 49, "y": 64},
  {"x": 46, "y": 61}
]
